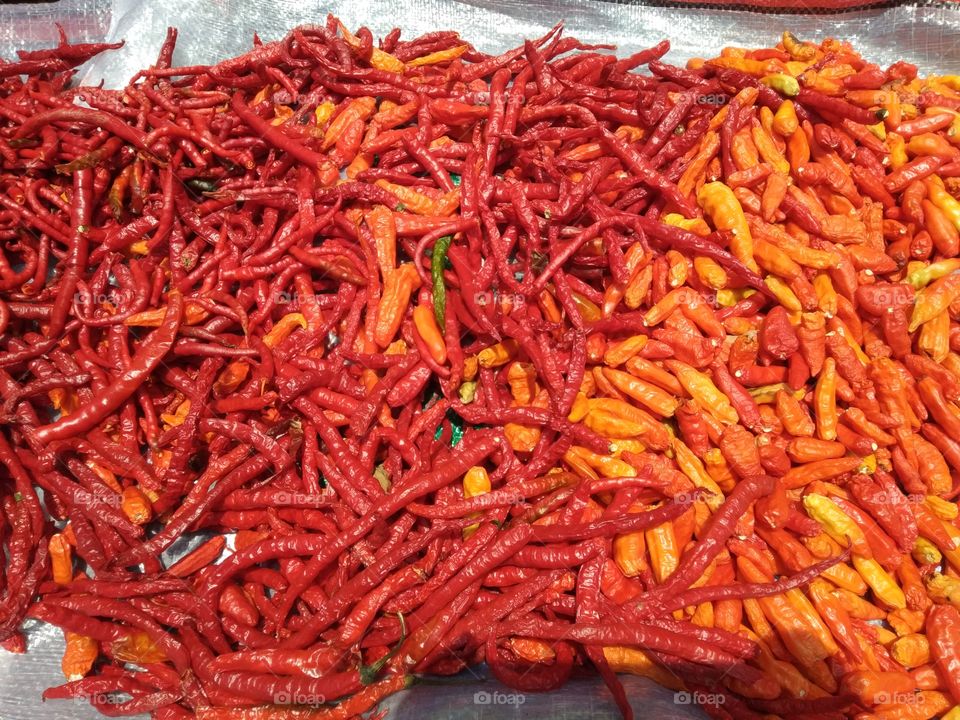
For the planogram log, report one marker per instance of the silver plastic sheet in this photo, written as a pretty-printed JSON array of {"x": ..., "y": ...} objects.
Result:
[{"x": 928, "y": 36}]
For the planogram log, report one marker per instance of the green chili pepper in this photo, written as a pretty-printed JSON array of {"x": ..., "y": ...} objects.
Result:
[{"x": 437, "y": 260}]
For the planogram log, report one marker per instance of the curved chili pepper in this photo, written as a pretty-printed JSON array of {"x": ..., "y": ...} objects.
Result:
[{"x": 89, "y": 416}]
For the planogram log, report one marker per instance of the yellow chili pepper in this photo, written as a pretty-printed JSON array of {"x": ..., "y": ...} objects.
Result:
[
  {"x": 723, "y": 208},
  {"x": 938, "y": 195},
  {"x": 532, "y": 651},
  {"x": 61, "y": 559},
  {"x": 691, "y": 466},
  {"x": 438, "y": 57},
  {"x": 825, "y": 401},
  {"x": 911, "y": 650},
  {"x": 636, "y": 662},
  {"x": 925, "y": 552},
  {"x": 898, "y": 150},
  {"x": 138, "y": 648},
  {"x": 579, "y": 465},
  {"x": 743, "y": 64},
  {"x": 785, "y": 120},
  {"x": 710, "y": 272},
  {"x": 476, "y": 481},
  {"x": 360, "y": 108},
  {"x": 934, "y": 339},
  {"x": 944, "y": 588},
  {"x": 951, "y": 554},
  {"x": 934, "y": 299},
  {"x": 694, "y": 225},
  {"x": 768, "y": 150},
  {"x": 231, "y": 377},
  {"x": 716, "y": 465},
  {"x": 785, "y": 296},
  {"x": 415, "y": 202},
  {"x": 857, "y": 606},
  {"x": 497, "y": 355},
  {"x": 906, "y": 622},
  {"x": 618, "y": 353},
  {"x": 521, "y": 437},
  {"x": 703, "y": 615},
  {"x": 630, "y": 549},
  {"x": 767, "y": 394},
  {"x": 613, "y": 418},
  {"x": 784, "y": 84},
  {"x": 580, "y": 408},
  {"x": 836, "y": 523},
  {"x": 378, "y": 58},
  {"x": 663, "y": 550},
  {"x": 467, "y": 391},
  {"x": 522, "y": 378},
  {"x": 78, "y": 656},
  {"x": 283, "y": 328},
  {"x": 650, "y": 396},
  {"x": 797, "y": 251},
  {"x": 784, "y": 673},
  {"x": 826, "y": 294},
  {"x": 605, "y": 465},
  {"x": 922, "y": 275},
  {"x": 136, "y": 506},
  {"x": 798, "y": 50},
  {"x": 728, "y": 297},
  {"x": 707, "y": 151},
  {"x": 679, "y": 268},
  {"x": 105, "y": 474},
  {"x": 884, "y": 586},
  {"x": 324, "y": 112},
  {"x": 702, "y": 389},
  {"x": 943, "y": 509},
  {"x": 799, "y": 626}
]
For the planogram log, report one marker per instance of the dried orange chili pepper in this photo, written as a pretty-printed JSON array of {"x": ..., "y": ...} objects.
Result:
[{"x": 79, "y": 656}]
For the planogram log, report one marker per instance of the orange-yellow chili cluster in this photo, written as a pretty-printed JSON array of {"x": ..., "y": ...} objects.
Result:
[{"x": 846, "y": 389}]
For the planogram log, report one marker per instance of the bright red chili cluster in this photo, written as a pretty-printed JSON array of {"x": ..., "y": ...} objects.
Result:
[{"x": 444, "y": 358}]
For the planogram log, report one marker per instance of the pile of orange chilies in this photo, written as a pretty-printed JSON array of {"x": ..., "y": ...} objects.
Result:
[{"x": 700, "y": 325}]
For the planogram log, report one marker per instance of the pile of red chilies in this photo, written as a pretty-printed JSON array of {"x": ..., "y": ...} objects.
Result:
[{"x": 549, "y": 360}]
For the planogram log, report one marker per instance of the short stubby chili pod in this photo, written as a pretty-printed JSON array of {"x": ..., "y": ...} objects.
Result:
[{"x": 778, "y": 339}]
